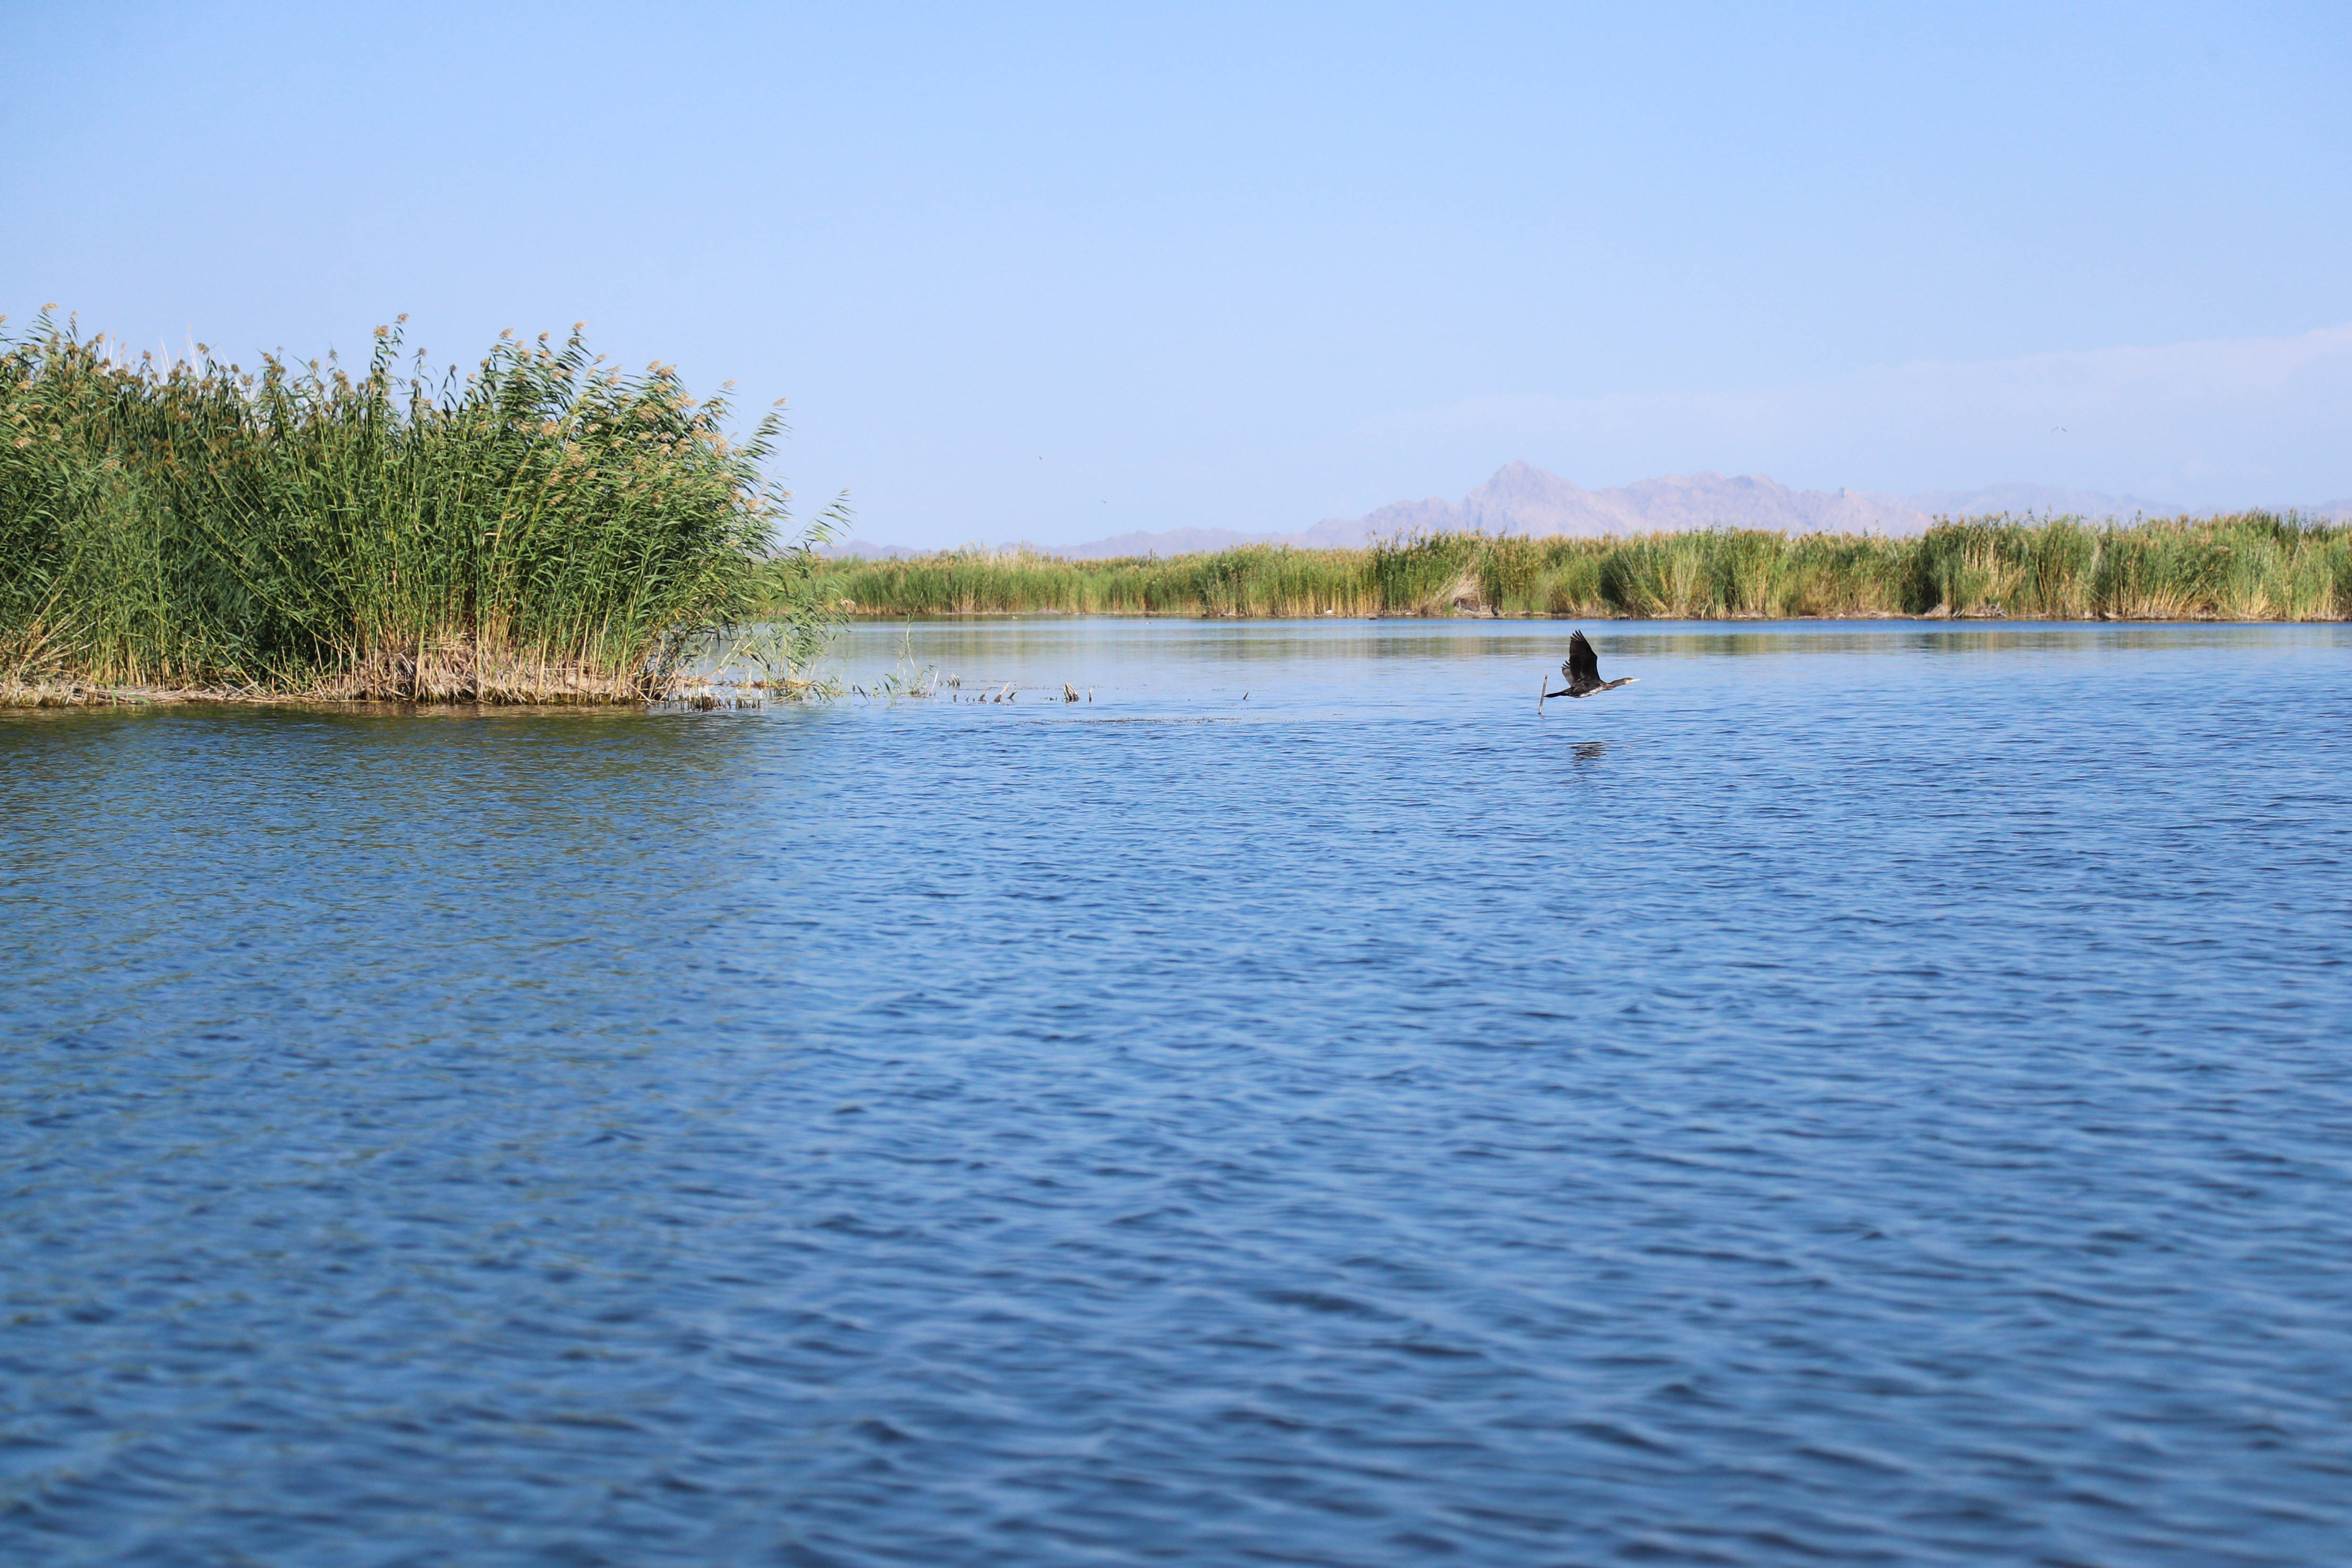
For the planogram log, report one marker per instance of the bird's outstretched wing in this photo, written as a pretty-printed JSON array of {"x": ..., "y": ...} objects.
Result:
[{"x": 1583, "y": 665}]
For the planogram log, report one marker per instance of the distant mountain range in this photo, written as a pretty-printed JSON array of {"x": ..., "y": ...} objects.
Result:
[{"x": 1527, "y": 501}]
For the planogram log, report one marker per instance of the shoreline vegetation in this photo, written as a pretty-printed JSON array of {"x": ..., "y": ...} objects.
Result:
[
  {"x": 2253, "y": 566},
  {"x": 547, "y": 529},
  {"x": 550, "y": 529}
]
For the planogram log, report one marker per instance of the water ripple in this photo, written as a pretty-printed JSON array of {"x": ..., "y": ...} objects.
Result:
[{"x": 1877, "y": 1096}]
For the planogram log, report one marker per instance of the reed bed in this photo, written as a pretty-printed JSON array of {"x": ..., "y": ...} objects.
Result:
[
  {"x": 2250, "y": 566},
  {"x": 547, "y": 528},
  {"x": 1256, "y": 581}
]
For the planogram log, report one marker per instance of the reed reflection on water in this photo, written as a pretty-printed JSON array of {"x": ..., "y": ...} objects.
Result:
[{"x": 1867, "y": 1093}]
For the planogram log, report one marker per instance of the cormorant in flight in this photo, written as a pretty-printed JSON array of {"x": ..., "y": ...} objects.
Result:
[{"x": 1584, "y": 672}]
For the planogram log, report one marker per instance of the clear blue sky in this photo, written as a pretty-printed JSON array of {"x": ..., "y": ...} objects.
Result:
[{"x": 1060, "y": 272}]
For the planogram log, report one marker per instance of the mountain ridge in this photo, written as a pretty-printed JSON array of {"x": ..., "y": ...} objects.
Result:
[{"x": 1524, "y": 500}]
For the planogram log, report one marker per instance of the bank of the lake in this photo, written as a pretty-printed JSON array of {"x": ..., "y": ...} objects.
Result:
[{"x": 2253, "y": 566}]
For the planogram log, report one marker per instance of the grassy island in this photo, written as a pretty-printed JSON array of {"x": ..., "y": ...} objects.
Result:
[
  {"x": 2255, "y": 568},
  {"x": 546, "y": 528}
]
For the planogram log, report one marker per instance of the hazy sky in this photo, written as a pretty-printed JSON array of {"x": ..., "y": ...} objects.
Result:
[{"x": 1053, "y": 272}]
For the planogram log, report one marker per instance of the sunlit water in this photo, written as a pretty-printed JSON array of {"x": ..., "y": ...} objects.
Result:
[{"x": 1870, "y": 1094}]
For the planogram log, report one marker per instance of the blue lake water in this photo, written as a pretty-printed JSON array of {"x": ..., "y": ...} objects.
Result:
[{"x": 1866, "y": 1094}]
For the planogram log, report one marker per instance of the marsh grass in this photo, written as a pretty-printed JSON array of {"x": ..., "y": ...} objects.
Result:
[
  {"x": 547, "y": 529},
  {"x": 1256, "y": 581},
  {"x": 905, "y": 679},
  {"x": 2252, "y": 567}
]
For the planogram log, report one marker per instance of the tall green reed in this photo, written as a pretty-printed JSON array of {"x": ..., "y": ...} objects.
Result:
[
  {"x": 2255, "y": 565},
  {"x": 548, "y": 528}
]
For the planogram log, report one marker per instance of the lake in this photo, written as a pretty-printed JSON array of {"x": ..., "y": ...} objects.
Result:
[{"x": 1869, "y": 1093}]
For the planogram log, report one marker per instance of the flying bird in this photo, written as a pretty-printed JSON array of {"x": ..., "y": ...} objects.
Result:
[{"x": 1582, "y": 669}]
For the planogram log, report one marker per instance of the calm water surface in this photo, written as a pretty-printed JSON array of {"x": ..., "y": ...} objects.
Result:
[{"x": 1863, "y": 1095}]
